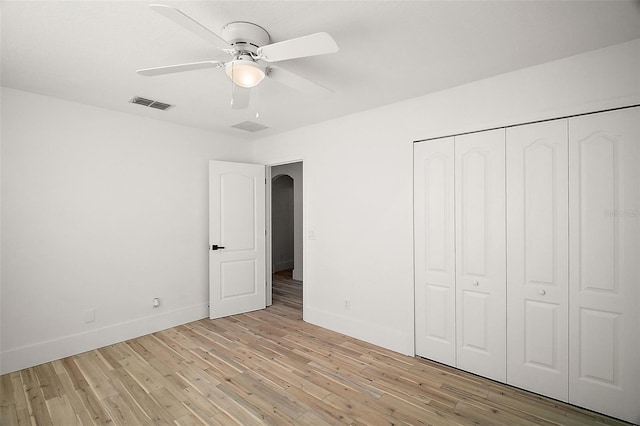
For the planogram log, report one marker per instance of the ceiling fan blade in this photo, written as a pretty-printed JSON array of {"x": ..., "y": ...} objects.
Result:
[
  {"x": 240, "y": 97},
  {"x": 149, "y": 72},
  {"x": 296, "y": 82},
  {"x": 190, "y": 24},
  {"x": 311, "y": 45}
]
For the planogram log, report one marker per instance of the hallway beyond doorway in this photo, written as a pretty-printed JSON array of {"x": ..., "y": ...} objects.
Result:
[{"x": 287, "y": 291}]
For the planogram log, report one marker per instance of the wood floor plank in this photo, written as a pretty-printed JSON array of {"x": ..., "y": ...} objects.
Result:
[
  {"x": 406, "y": 412},
  {"x": 190, "y": 420},
  {"x": 48, "y": 379},
  {"x": 62, "y": 413},
  {"x": 171, "y": 408},
  {"x": 81, "y": 412},
  {"x": 266, "y": 367},
  {"x": 98, "y": 382},
  {"x": 120, "y": 412},
  {"x": 194, "y": 402},
  {"x": 162, "y": 352},
  {"x": 143, "y": 407},
  {"x": 6, "y": 391},
  {"x": 93, "y": 406},
  {"x": 35, "y": 398},
  {"x": 78, "y": 380},
  {"x": 8, "y": 415},
  {"x": 271, "y": 401},
  {"x": 19, "y": 399}
]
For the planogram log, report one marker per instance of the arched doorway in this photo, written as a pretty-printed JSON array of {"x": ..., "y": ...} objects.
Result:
[{"x": 285, "y": 239}]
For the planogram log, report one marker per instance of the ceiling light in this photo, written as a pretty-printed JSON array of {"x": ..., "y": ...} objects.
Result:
[{"x": 244, "y": 73}]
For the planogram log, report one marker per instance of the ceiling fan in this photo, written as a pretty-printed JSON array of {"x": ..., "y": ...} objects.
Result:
[{"x": 246, "y": 54}]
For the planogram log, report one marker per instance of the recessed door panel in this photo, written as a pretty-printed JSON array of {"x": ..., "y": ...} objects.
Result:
[
  {"x": 598, "y": 187},
  {"x": 436, "y": 318},
  {"x": 480, "y": 253},
  {"x": 599, "y": 337},
  {"x": 436, "y": 209},
  {"x": 238, "y": 278},
  {"x": 537, "y": 260},
  {"x": 541, "y": 335},
  {"x": 604, "y": 215},
  {"x": 474, "y": 209},
  {"x": 434, "y": 250},
  {"x": 540, "y": 188},
  {"x": 238, "y": 210},
  {"x": 474, "y": 321}
]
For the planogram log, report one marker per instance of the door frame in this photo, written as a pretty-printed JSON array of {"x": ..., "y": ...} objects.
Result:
[{"x": 269, "y": 239}]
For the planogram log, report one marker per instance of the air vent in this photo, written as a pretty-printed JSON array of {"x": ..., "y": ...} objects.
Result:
[
  {"x": 150, "y": 103},
  {"x": 250, "y": 126}
]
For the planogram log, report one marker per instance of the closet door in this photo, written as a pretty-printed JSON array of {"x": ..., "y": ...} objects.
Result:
[
  {"x": 537, "y": 260},
  {"x": 434, "y": 251},
  {"x": 604, "y": 268},
  {"x": 480, "y": 253}
]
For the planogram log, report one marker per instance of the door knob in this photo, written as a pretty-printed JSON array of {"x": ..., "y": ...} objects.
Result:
[
  {"x": 476, "y": 283},
  {"x": 216, "y": 247},
  {"x": 541, "y": 292}
]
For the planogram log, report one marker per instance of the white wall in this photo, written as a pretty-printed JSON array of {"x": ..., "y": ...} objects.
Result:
[
  {"x": 100, "y": 211},
  {"x": 358, "y": 181},
  {"x": 295, "y": 171}
]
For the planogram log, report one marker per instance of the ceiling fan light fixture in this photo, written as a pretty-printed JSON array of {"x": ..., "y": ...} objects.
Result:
[{"x": 244, "y": 73}]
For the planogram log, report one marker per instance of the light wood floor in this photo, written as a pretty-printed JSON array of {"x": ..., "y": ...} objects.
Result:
[{"x": 265, "y": 367}]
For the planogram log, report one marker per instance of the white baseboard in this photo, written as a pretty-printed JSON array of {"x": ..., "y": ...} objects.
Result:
[
  {"x": 297, "y": 275},
  {"x": 388, "y": 338},
  {"x": 282, "y": 265},
  {"x": 39, "y": 353}
]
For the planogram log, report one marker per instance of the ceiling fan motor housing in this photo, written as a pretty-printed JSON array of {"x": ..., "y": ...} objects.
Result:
[{"x": 245, "y": 36}]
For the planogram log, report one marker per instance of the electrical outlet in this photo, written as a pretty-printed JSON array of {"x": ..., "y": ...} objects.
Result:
[
  {"x": 156, "y": 302},
  {"x": 89, "y": 316},
  {"x": 347, "y": 305}
]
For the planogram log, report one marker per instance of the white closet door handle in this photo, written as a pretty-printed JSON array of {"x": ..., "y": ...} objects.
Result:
[
  {"x": 541, "y": 292},
  {"x": 476, "y": 283}
]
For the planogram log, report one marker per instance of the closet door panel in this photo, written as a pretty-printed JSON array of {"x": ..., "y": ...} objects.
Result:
[
  {"x": 480, "y": 253},
  {"x": 604, "y": 247},
  {"x": 434, "y": 250},
  {"x": 537, "y": 261}
]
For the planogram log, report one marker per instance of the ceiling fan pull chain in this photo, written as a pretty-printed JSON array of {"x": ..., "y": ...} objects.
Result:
[
  {"x": 257, "y": 92},
  {"x": 233, "y": 87}
]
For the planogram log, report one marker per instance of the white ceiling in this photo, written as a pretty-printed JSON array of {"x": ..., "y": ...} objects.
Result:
[{"x": 88, "y": 51}]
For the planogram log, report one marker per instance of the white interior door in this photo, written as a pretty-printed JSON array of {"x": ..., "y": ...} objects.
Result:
[
  {"x": 604, "y": 247},
  {"x": 236, "y": 238},
  {"x": 537, "y": 261},
  {"x": 480, "y": 253},
  {"x": 435, "y": 274}
]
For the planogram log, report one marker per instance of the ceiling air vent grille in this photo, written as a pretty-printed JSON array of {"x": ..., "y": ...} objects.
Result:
[
  {"x": 250, "y": 126},
  {"x": 150, "y": 103}
]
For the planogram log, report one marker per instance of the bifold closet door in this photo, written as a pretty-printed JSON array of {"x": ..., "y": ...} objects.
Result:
[
  {"x": 434, "y": 250},
  {"x": 604, "y": 262},
  {"x": 480, "y": 253},
  {"x": 537, "y": 260}
]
